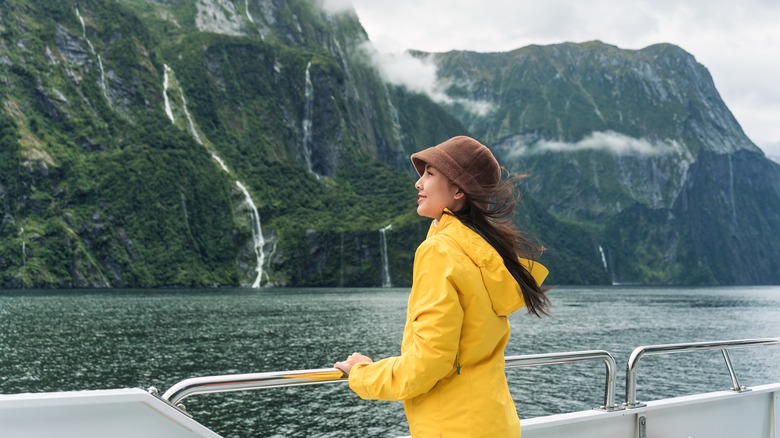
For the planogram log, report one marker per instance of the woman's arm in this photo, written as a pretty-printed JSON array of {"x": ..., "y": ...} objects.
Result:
[{"x": 434, "y": 322}]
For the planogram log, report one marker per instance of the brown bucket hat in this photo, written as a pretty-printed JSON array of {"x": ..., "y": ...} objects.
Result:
[{"x": 466, "y": 162}]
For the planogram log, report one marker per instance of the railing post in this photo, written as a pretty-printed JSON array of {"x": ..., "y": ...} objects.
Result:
[
  {"x": 735, "y": 386},
  {"x": 631, "y": 370}
]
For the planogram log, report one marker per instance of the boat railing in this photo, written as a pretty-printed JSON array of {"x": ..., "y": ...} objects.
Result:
[
  {"x": 252, "y": 381},
  {"x": 649, "y": 350},
  {"x": 245, "y": 382},
  {"x": 574, "y": 356}
]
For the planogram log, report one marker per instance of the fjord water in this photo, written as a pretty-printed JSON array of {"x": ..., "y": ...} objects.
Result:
[{"x": 74, "y": 340}]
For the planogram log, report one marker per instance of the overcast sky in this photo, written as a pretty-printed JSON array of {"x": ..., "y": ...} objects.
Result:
[{"x": 737, "y": 40}]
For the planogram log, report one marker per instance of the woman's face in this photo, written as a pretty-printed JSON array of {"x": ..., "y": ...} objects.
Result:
[{"x": 435, "y": 192}]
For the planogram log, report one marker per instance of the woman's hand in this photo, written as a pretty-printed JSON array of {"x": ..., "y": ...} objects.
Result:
[{"x": 353, "y": 359}]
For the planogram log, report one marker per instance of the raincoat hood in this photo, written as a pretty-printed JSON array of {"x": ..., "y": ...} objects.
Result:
[{"x": 505, "y": 294}]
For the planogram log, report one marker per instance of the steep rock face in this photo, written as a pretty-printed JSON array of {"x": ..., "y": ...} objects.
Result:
[
  {"x": 636, "y": 151},
  {"x": 719, "y": 230},
  {"x": 730, "y": 210},
  {"x": 92, "y": 193},
  {"x": 142, "y": 134}
]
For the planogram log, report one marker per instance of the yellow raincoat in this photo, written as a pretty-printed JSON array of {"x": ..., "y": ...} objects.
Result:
[{"x": 450, "y": 374}]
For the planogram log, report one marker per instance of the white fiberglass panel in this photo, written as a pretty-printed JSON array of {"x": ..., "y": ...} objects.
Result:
[{"x": 121, "y": 413}]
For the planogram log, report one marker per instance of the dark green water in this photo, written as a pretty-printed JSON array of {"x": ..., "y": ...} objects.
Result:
[{"x": 73, "y": 340}]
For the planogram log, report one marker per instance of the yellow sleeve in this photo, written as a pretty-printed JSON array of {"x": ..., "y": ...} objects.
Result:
[{"x": 431, "y": 338}]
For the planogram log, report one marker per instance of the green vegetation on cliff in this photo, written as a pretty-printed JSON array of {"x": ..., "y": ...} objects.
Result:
[
  {"x": 129, "y": 127},
  {"x": 99, "y": 188}
]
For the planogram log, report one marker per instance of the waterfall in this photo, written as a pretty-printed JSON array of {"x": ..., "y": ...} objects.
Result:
[
  {"x": 308, "y": 111},
  {"x": 394, "y": 118},
  {"x": 341, "y": 259},
  {"x": 246, "y": 8},
  {"x": 92, "y": 49},
  {"x": 257, "y": 234},
  {"x": 606, "y": 267},
  {"x": 344, "y": 59},
  {"x": 84, "y": 31},
  {"x": 603, "y": 259},
  {"x": 189, "y": 118},
  {"x": 731, "y": 192},
  {"x": 168, "y": 110},
  {"x": 24, "y": 249},
  {"x": 385, "y": 263},
  {"x": 258, "y": 241},
  {"x": 221, "y": 163},
  {"x": 166, "y": 82},
  {"x": 103, "y": 79}
]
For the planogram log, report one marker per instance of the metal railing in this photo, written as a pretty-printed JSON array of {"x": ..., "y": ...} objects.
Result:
[
  {"x": 574, "y": 356},
  {"x": 246, "y": 382},
  {"x": 649, "y": 350}
]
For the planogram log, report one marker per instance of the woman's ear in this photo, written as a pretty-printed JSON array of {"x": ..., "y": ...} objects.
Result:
[{"x": 458, "y": 193}]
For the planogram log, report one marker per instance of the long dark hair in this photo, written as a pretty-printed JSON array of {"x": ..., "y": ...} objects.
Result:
[{"x": 490, "y": 214}]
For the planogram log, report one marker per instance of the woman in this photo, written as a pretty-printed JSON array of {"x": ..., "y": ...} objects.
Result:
[{"x": 468, "y": 278}]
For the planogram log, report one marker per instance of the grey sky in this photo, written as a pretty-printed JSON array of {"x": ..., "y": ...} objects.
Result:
[{"x": 738, "y": 41}]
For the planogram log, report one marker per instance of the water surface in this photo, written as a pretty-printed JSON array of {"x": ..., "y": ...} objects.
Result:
[{"x": 73, "y": 340}]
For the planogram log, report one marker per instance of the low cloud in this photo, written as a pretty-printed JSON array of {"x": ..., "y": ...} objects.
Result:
[
  {"x": 608, "y": 141},
  {"x": 418, "y": 75},
  {"x": 478, "y": 107},
  {"x": 415, "y": 74},
  {"x": 333, "y": 7},
  {"x": 771, "y": 150}
]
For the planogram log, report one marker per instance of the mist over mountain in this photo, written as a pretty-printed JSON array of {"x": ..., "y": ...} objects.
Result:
[
  {"x": 772, "y": 150},
  {"x": 264, "y": 142}
]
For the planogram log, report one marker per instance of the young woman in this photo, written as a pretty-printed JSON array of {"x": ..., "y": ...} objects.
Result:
[{"x": 468, "y": 277}]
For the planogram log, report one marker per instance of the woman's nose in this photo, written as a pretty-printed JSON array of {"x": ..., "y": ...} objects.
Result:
[{"x": 418, "y": 184}]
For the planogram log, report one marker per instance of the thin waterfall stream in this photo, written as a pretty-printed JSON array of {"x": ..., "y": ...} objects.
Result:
[
  {"x": 386, "y": 282},
  {"x": 257, "y": 234},
  {"x": 99, "y": 59},
  {"x": 168, "y": 110},
  {"x": 308, "y": 112},
  {"x": 258, "y": 240}
]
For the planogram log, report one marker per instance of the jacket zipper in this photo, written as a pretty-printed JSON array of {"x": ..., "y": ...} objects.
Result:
[{"x": 457, "y": 360}]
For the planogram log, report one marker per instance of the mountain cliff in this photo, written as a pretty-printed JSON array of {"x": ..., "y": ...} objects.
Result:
[
  {"x": 193, "y": 143},
  {"x": 635, "y": 151},
  {"x": 218, "y": 142}
]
